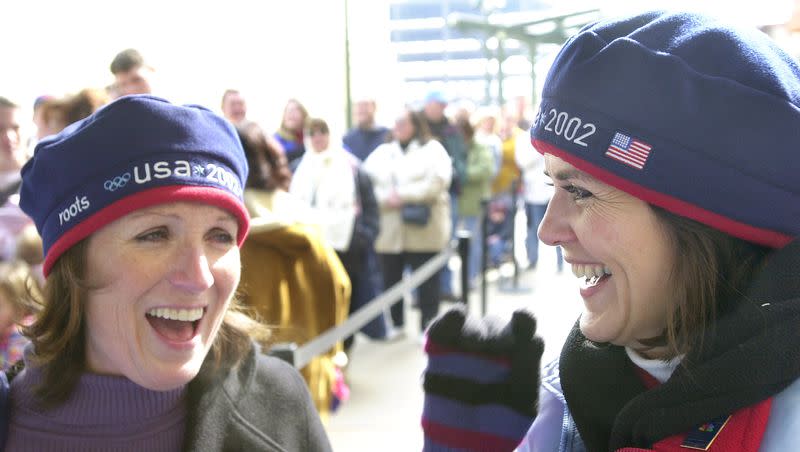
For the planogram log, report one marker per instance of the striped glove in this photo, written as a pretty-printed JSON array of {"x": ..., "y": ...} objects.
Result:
[{"x": 481, "y": 383}]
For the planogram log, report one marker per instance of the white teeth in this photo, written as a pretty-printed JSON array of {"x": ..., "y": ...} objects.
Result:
[
  {"x": 185, "y": 315},
  {"x": 590, "y": 270}
]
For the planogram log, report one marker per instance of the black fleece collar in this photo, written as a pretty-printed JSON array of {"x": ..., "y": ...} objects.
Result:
[{"x": 752, "y": 354}]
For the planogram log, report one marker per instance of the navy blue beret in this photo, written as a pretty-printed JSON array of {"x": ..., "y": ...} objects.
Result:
[
  {"x": 685, "y": 113},
  {"x": 135, "y": 152}
]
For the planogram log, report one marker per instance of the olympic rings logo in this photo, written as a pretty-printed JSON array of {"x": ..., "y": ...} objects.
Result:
[{"x": 117, "y": 182}]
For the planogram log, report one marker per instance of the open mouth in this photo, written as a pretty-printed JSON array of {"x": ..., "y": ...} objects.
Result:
[
  {"x": 175, "y": 325},
  {"x": 592, "y": 274}
]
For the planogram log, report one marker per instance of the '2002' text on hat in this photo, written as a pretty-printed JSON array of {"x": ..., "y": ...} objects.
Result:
[{"x": 684, "y": 113}]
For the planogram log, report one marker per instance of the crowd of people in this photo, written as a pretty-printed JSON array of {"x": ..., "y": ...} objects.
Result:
[
  {"x": 334, "y": 220},
  {"x": 150, "y": 252}
]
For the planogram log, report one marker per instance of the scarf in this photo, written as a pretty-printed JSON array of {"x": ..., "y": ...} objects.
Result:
[{"x": 750, "y": 354}]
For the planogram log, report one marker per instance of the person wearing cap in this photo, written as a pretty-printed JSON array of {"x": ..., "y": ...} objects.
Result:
[
  {"x": 139, "y": 342},
  {"x": 671, "y": 139},
  {"x": 448, "y": 134}
]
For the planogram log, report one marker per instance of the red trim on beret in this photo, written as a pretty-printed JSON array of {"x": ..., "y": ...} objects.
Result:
[
  {"x": 161, "y": 195},
  {"x": 733, "y": 227}
]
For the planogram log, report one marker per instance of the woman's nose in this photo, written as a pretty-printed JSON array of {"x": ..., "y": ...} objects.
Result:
[
  {"x": 555, "y": 228},
  {"x": 192, "y": 271}
]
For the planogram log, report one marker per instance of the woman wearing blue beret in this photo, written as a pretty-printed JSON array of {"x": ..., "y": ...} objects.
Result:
[
  {"x": 139, "y": 343},
  {"x": 671, "y": 140}
]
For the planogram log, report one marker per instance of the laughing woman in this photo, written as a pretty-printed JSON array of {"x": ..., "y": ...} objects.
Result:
[
  {"x": 672, "y": 141},
  {"x": 139, "y": 344}
]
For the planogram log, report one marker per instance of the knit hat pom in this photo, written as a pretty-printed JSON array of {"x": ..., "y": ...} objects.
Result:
[{"x": 685, "y": 113}]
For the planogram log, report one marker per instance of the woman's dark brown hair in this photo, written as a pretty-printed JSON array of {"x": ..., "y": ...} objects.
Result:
[
  {"x": 422, "y": 133},
  {"x": 269, "y": 168},
  {"x": 59, "y": 113},
  {"x": 467, "y": 130},
  {"x": 59, "y": 338},
  {"x": 318, "y": 125},
  {"x": 711, "y": 271}
]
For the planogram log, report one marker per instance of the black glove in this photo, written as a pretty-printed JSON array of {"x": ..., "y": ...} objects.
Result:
[{"x": 481, "y": 383}]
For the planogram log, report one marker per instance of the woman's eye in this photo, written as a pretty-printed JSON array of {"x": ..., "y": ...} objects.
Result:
[
  {"x": 222, "y": 236},
  {"x": 577, "y": 192},
  {"x": 153, "y": 235}
]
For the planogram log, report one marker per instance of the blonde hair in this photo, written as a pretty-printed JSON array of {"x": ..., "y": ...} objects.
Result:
[{"x": 17, "y": 282}]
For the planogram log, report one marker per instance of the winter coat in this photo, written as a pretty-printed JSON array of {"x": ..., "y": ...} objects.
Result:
[
  {"x": 419, "y": 174},
  {"x": 361, "y": 142},
  {"x": 531, "y": 163},
  {"x": 293, "y": 145},
  {"x": 592, "y": 398},
  {"x": 295, "y": 281},
  {"x": 508, "y": 172},
  {"x": 450, "y": 137},
  {"x": 260, "y": 404},
  {"x": 326, "y": 182},
  {"x": 554, "y": 429},
  {"x": 365, "y": 231},
  {"x": 480, "y": 166}
]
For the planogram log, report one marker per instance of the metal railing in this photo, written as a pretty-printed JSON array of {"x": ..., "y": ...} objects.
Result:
[{"x": 300, "y": 356}]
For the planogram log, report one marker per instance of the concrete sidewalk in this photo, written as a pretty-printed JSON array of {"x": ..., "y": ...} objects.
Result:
[{"x": 384, "y": 409}]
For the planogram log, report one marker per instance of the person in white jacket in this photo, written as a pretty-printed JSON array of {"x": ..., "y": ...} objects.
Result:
[
  {"x": 537, "y": 193},
  {"x": 412, "y": 170},
  {"x": 325, "y": 180}
]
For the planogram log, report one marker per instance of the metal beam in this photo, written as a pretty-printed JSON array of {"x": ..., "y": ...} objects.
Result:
[{"x": 513, "y": 26}]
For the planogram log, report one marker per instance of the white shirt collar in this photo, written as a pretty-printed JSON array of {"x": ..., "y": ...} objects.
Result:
[{"x": 660, "y": 370}]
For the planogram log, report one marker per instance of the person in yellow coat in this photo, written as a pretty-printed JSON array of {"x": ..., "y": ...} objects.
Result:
[
  {"x": 508, "y": 171},
  {"x": 290, "y": 276}
]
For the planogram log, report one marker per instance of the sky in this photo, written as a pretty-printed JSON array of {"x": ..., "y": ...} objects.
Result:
[{"x": 272, "y": 50}]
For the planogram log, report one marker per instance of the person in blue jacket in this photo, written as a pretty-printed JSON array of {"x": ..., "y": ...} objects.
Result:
[{"x": 672, "y": 142}]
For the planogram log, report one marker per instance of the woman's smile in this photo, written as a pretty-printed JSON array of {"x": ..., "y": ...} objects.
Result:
[
  {"x": 617, "y": 248},
  {"x": 176, "y": 326},
  {"x": 164, "y": 277}
]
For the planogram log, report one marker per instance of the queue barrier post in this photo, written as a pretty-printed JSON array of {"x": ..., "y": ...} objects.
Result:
[
  {"x": 513, "y": 211},
  {"x": 464, "y": 239},
  {"x": 484, "y": 251}
]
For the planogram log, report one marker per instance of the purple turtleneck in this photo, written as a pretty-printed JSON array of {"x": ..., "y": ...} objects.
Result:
[{"x": 103, "y": 413}]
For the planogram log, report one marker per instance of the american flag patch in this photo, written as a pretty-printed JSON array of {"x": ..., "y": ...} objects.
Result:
[{"x": 629, "y": 151}]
